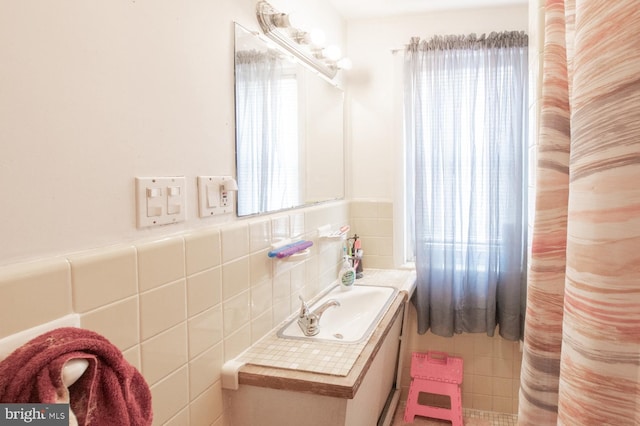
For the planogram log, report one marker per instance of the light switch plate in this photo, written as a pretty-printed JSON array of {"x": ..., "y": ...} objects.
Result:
[
  {"x": 212, "y": 198},
  {"x": 160, "y": 200}
]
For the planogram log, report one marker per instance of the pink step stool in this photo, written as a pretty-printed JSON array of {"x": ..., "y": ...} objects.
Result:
[{"x": 435, "y": 373}]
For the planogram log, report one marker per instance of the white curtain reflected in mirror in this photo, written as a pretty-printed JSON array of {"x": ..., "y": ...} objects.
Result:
[
  {"x": 289, "y": 130},
  {"x": 267, "y": 132}
]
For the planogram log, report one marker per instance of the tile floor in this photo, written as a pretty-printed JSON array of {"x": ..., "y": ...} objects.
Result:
[{"x": 470, "y": 418}]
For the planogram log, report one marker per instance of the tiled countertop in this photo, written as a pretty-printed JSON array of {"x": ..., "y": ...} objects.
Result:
[{"x": 326, "y": 368}]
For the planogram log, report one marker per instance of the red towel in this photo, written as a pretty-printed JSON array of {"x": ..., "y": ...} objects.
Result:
[{"x": 111, "y": 391}]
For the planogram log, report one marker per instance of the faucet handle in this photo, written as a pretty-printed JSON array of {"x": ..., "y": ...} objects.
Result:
[{"x": 304, "y": 308}]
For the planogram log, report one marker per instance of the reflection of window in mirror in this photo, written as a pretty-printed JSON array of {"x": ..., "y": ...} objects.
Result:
[{"x": 267, "y": 132}]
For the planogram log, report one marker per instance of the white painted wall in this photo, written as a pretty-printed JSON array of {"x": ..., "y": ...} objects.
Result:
[
  {"x": 375, "y": 108},
  {"x": 93, "y": 94}
]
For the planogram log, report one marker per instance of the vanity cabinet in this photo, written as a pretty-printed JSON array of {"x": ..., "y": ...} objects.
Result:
[{"x": 298, "y": 400}]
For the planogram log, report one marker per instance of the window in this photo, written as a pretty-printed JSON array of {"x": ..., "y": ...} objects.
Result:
[{"x": 465, "y": 134}]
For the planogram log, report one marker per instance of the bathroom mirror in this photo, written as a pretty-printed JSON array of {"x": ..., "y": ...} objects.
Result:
[{"x": 289, "y": 130}]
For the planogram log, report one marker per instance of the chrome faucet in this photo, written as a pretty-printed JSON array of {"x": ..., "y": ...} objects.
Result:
[{"x": 309, "y": 321}]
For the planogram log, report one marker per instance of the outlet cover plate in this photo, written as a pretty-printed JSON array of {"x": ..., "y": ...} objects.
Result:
[{"x": 210, "y": 196}]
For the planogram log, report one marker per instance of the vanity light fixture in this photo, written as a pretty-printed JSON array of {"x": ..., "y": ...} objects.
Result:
[{"x": 306, "y": 46}]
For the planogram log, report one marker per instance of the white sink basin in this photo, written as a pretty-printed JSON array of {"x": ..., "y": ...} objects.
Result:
[{"x": 359, "y": 312}]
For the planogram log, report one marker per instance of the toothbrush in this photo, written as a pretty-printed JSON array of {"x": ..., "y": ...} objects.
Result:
[
  {"x": 294, "y": 249},
  {"x": 274, "y": 252}
]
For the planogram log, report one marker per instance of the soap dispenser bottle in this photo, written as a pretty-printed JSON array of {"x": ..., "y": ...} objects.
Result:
[{"x": 347, "y": 275}]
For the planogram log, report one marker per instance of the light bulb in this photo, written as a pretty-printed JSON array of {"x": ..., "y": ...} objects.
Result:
[
  {"x": 345, "y": 64},
  {"x": 332, "y": 53},
  {"x": 317, "y": 37}
]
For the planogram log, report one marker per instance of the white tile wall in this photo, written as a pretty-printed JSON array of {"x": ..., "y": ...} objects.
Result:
[{"x": 179, "y": 307}]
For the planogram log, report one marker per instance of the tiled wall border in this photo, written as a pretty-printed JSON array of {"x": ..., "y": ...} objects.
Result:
[{"x": 180, "y": 306}]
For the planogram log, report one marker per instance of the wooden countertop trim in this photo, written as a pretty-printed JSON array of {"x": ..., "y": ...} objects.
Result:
[{"x": 326, "y": 384}]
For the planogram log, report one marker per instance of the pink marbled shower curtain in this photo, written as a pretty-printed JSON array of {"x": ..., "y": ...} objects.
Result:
[{"x": 581, "y": 360}]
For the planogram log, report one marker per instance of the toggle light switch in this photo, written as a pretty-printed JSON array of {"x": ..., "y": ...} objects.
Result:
[
  {"x": 174, "y": 209},
  {"x": 154, "y": 211},
  {"x": 212, "y": 195},
  {"x": 154, "y": 192}
]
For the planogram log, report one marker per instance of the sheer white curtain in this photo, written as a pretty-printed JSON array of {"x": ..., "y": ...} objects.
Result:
[
  {"x": 465, "y": 129},
  {"x": 266, "y": 132}
]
